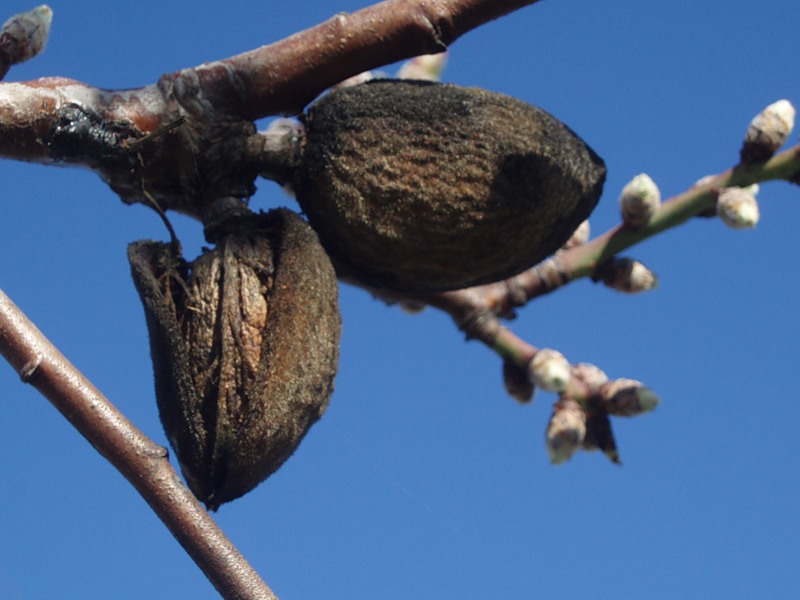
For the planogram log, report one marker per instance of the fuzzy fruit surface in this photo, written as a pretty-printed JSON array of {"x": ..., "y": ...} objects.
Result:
[
  {"x": 245, "y": 346},
  {"x": 419, "y": 187}
]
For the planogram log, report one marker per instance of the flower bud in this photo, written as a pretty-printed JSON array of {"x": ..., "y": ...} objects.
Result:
[
  {"x": 428, "y": 67},
  {"x": 738, "y": 208},
  {"x": 23, "y": 36},
  {"x": 626, "y": 275},
  {"x": 579, "y": 236},
  {"x": 628, "y": 398},
  {"x": 549, "y": 370},
  {"x": 244, "y": 342},
  {"x": 590, "y": 374},
  {"x": 517, "y": 383},
  {"x": 639, "y": 201},
  {"x": 565, "y": 431},
  {"x": 768, "y": 131}
]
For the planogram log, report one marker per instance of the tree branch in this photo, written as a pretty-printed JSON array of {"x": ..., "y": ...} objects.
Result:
[
  {"x": 283, "y": 77},
  {"x": 205, "y": 159},
  {"x": 143, "y": 462}
]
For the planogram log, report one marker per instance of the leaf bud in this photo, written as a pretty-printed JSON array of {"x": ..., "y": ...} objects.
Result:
[
  {"x": 590, "y": 374},
  {"x": 738, "y": 208},
  {"x": 626, "y": 275},
  {"x": 565, "y": 431},
  {"x": 23, "y": 36},
  {"x": 549, "y": 370},
  {"x": 639, "y": 201},
  {"x": 768, "y": 131},
  {"x": 628, "y": 398},
  {"x": 245, "y": 345}
]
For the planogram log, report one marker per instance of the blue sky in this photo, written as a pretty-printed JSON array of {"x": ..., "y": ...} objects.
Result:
[{"x": 424, "y": 479}]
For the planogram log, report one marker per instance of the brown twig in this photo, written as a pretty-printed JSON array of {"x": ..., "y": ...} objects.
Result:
[
  {"x": 143, "y": 462},
  {"x": 283, "y": 77}
]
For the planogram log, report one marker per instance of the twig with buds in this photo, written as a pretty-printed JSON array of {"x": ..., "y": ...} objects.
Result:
[
  {"x": 729, "y": 194},
  {"x": 586, "y": 397}
]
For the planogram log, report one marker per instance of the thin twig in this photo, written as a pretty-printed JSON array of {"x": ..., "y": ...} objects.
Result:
[{"x": 143, "y": 462}]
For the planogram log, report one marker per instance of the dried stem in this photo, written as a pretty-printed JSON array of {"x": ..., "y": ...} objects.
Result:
[{"x": 143, "y": 462}]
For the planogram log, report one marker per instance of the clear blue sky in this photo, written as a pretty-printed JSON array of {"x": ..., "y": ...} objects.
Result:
[{"x": 424, "y": 480}]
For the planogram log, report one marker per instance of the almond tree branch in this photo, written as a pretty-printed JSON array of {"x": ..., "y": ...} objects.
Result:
[
  {"x": 583, "y": 261},
  {"x": 283, "y": 77},
  {"x": 205, "y": 159},
  {"x": 478, "y": 310},
  {"x": 182, "y": 143},
  {"x": 143, "y": 462}
]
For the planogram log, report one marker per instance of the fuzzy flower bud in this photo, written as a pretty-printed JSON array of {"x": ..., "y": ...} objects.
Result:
[
  {"x": 24, "y": 36},
  {"x": 639, "y": 200},
  {"x": 628, "y": 398},
  {"x": 626, "y": 275},
  {"x": 565, "y": 431},
  {"x": 590, "y": 374},
  {"x": 579, "y": 236},
  {"x": 517, "y": 384},
  {"x": 427, "y": 67},
  {"x": 549, "y": 370},
  {"x": 768, "y": 131},
  {"x": 738, "y": 208}
]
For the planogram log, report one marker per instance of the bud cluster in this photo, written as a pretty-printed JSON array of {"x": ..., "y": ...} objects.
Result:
[{"x": 584, "y": 423}]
